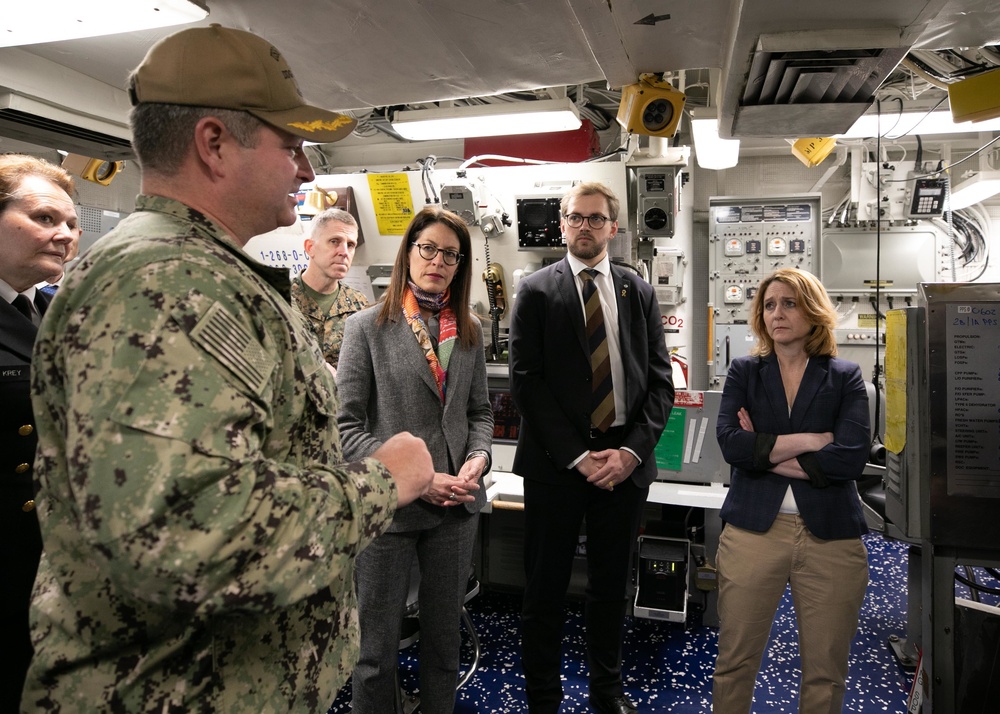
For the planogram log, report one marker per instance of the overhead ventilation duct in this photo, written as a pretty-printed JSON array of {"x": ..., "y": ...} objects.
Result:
[
  {"x": 26, "y": 119},
  {"x": 809, "y": 83}
]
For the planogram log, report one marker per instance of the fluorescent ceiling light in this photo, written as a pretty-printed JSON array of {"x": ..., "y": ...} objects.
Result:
[
  {"x": 500, "y": 119},
  {"x": 711, "y": 151},
  {"x": 981, "y": 186},
  {"x": 27, "y": 23},
  {"x": 910, "y": 123}
]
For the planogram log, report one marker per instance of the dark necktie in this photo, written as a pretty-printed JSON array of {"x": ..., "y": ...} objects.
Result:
[
  {"x": 602, "y": 400},
  {"x": 23, "y": 305}
]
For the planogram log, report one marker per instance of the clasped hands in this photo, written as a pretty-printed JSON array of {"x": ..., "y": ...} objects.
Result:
[
  {"x": 448, "y": 490},
  {"x": 607, "y": 468}
]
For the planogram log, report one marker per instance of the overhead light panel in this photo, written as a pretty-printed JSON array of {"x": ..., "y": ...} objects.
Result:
[
  {"x": 975, "y": 189},
  {"x": 499, "y": 119},
  {"x": 894, "y": 125},
  {"x": 711, "y": 151},
  {"x": 25, "y": 23}
]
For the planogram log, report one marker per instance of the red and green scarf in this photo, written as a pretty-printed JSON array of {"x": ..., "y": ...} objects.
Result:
[{"x": 413, "y": 299}]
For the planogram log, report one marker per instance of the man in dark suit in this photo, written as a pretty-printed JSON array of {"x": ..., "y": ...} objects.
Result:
[{"x": 590, "y": 374}]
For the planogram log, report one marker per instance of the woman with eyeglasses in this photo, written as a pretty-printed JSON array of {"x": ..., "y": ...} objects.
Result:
[{"x": 416, "y": 362}]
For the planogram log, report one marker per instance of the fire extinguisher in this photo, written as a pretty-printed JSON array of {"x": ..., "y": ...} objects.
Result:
[{"x": 679, "y": 369}]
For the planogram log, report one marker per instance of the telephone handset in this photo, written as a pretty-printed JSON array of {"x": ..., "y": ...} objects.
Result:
[
  {"x": 497, "y": 295},
  {"x": 493, "y": 277}
]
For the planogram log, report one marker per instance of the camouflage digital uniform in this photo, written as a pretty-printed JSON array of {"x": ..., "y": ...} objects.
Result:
[
  {"x": 328, "y": 327},
  {"x": 199, "y": 531}
]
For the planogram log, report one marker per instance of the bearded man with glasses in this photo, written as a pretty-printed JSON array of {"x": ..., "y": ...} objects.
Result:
[{"x": 590, "y": 374}]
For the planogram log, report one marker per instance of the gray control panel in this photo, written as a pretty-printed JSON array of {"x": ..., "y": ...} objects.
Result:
[{"x": 750, "y": 238}]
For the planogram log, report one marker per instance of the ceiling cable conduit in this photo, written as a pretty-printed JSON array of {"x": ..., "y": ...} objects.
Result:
[{"x": 910, "y": 65}]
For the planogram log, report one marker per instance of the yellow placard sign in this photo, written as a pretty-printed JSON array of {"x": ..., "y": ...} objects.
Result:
[
  {"x": 867, "y": 321},
  {"x": 392, "y": 202},
  {"x": 895, "y": 382}
]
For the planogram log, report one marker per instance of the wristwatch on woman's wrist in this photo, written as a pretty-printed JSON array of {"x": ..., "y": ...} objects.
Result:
[{"x": 485, "y": 455}]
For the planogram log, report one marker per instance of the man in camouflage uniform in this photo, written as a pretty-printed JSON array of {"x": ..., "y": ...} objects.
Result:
[
  {"x": 199, "y": 530},
  {"x": 324, "y": 301}
]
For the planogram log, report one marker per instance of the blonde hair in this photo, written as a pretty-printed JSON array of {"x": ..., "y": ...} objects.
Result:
[
  {"x": 592, "y": 188},
  {"x": 812, "y": 300},
  {"x": 14, "y": 168}
]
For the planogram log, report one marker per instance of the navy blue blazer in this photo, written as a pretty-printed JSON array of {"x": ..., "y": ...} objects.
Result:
[
  {"x": 832, "y": 397},
  {"x": 550, "y": 372},
  {"x": 17, "y": 434},
  {"x": 20, "y": 536}
]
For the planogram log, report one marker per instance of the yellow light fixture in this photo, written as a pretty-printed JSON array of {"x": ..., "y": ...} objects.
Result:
[
  {"x": 975, "y": 189},
  {"x": 811, "y": 151},
  {"x": 94, "y": 170},
  {"x": 975, "y": 98},
  {"x": 651, "y": 107},
  {"x": 711, "y": 151},
  {"x": 25, "y": 23},
  {"x": 499, "y": 119}
]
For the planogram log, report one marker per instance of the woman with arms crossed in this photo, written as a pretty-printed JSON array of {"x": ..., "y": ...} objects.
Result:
[{"x": 794, "y": 427}]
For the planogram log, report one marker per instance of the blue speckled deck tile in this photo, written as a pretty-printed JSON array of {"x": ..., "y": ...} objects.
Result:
[{"x": 669, "y": 669}]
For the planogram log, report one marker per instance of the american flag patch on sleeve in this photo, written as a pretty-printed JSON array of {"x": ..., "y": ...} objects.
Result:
[{"x": 222, "y": 335}]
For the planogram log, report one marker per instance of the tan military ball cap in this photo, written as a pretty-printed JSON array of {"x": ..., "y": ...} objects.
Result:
[{"x": 231, "y": 69}]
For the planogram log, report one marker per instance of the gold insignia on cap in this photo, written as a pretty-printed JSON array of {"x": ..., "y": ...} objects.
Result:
[{"x": 320, "y": 124}]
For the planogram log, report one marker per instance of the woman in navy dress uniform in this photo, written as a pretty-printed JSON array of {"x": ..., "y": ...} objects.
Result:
[{"x": 38, "y": 233}]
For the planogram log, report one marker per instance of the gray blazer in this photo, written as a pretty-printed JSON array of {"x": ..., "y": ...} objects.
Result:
[{"x": 385, "y": 387}]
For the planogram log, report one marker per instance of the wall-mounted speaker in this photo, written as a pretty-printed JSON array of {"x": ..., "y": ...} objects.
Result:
[
  {"x": 96, "y": 170},
  {"x": 652, "y": 107}
]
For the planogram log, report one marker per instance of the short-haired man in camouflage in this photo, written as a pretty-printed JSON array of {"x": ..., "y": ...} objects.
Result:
[
  {"x": 318, "y": 292},
  {"x": 199, "y": 530}
]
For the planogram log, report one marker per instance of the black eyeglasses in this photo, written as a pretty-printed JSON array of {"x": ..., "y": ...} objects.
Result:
[
  {"x": 429, "y": 252},
  {"x": 596, "y": 221}
]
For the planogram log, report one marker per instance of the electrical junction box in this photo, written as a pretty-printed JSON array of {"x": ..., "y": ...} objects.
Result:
[
  {"x": 460, "y": 198},
  {"x": 655, "y": 200},
  {"x": 668, "y": 275},
  {"x": 662, "y": 582},
  {"x": 668, "y": 295}
]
